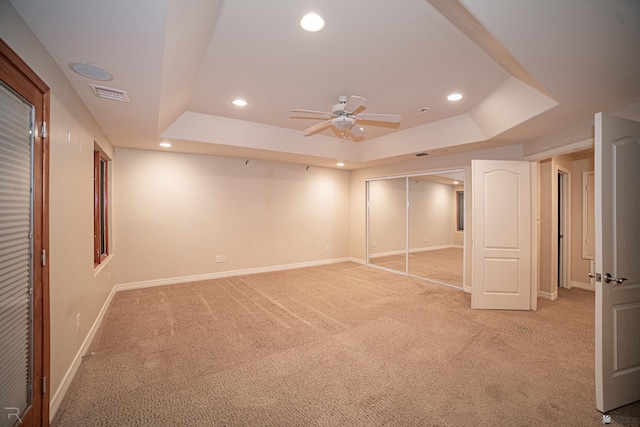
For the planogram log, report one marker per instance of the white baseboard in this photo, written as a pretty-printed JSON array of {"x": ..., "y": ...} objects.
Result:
[
  {"x": 422, "y": 249},
  {"x": 430, "y": 248},
  {"x": 231, "y": 273},
  {"x": 548, "y": 296},
  {"x": 59, "y": 394},
  {"x": 581, "y": 285},
  {"x": 467, "y": 289},
  {"x": 388, "y": 253}
]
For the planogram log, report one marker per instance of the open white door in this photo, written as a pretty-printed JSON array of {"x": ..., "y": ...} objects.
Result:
[
  {"x": 501, "y": 206},
  {"x": 617, "y": 202}
]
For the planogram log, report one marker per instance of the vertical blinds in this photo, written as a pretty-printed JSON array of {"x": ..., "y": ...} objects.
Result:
[{"x": 16, "y": 136}]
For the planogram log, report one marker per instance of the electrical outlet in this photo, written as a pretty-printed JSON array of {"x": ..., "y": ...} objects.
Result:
[
  {"x": 374, "y": 245},
  {"x": 217, "y": 258},
  {"x": 328, "y": 249},
  {"x": 426, "y": 239},
  {"x": 223, "y": 258},
  {"x": 78, "y": 322}
]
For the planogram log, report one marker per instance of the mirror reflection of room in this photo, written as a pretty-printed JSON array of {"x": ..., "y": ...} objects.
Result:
[
  {"x": 429, "y": 210},
  {"x": 435, "y": 243},
  {"x": 388, "y": 223}
]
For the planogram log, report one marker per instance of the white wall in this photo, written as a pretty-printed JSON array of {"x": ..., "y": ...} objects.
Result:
[
  {"x": 173, "y": 213},
  {"x": 75, "y": 287}
]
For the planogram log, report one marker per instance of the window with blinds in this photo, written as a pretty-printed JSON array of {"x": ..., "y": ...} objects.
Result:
[{"x": 16, "y": 270}]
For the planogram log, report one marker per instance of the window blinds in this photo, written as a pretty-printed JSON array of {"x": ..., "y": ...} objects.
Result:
[{"x": 16, "y": 136}]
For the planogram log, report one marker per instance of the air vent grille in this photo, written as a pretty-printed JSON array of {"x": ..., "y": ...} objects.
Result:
[{"x": 110, "y": 93}]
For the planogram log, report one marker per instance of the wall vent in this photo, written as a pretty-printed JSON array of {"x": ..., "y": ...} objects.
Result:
[{"x": 110, "y": 93}]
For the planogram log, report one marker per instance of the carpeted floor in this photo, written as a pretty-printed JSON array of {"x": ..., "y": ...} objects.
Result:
[
  {"x": 441, "y": 265},
  {"x": 338, "y": 345}
]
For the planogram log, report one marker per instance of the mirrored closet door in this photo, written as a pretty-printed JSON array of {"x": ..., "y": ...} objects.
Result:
[
  {"x": 416, "y": 225},
  {"x": 387, "y": 223}
]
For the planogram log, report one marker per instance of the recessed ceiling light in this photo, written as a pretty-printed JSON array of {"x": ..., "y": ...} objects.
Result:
[
  {"x": 456, "y": 182},
  {"x": 340, "y": 164},
  {"x": 239, "y": 102},
  {"x": 165, "y": 144},
  {"x": 312, "y": 22},
  {"x": 90, "y": 71},
  {"x": 454, "y": 97}
]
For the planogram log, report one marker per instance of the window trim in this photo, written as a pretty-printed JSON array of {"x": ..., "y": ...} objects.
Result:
[{"x": 101, "y": 227}]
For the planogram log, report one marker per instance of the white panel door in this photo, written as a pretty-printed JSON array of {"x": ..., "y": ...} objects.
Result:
[
  {"x": 617, "y": 199},
  {"x": 501, "y": 206}
]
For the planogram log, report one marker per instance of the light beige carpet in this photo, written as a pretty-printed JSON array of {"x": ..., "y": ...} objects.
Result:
[{"x": 338, "y": 345}]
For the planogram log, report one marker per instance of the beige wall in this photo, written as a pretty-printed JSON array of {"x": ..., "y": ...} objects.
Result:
[
  {"x": 173, "y": 213},
  {"x": 75, "y": 287},
  {"x": 582, "y": 162},
  {"x": 429, "y": 214}
]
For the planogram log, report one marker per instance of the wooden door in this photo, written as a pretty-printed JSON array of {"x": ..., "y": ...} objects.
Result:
[
  {"x": 24, "y": 239},
  {"x": 501, "y": 209},
  {"x": 617, "y": 216}
]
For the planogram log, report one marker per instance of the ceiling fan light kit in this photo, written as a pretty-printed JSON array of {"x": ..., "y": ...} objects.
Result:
[
  {"x": 343, "y": 122},
  {"x": 343, "y": 117}
]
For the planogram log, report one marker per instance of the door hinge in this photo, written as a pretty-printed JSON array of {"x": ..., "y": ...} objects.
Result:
[
  {"x": 43, "y": 130},
  {"x": 43, "y": 257},
  {"x": 44, "y": 385}
]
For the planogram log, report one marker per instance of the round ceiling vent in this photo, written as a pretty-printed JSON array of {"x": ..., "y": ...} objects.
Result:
[{"x": 91, "y": 71}]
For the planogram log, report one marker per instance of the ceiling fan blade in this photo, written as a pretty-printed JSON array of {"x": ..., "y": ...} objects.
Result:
[
  {"x": 357, "y": 131},
  {"x": 317, "y": 128},
  {"x": 311, "y": 112},
  {"x": 389, "y": 118},
  {"x": 354, "y": 103}
]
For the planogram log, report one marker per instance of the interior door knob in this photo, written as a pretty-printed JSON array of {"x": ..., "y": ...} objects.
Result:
[{"x": 609, "y": 278}]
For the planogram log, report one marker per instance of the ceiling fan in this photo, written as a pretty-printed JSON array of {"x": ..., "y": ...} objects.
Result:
[{"x": 343, "y": 117}]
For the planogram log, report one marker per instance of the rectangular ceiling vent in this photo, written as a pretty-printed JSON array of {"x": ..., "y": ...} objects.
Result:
[{"x": 110, "y": 93}]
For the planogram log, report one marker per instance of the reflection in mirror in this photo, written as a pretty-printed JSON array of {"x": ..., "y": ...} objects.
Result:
[
  {"x": 387, "y": 223},
  {"x": 435, "y": 242}
]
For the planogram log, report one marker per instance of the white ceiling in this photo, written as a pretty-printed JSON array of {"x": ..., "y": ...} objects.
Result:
[{"x": 526, "y": 68}]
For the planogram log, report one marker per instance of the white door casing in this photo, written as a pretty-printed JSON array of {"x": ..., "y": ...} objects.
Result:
[
  {"x": 617, "y": 218},
  {"x": 502, "y": 228}
]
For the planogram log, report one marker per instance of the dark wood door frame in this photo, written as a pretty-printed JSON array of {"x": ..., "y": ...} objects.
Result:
[{"x": 15, "y": 73}]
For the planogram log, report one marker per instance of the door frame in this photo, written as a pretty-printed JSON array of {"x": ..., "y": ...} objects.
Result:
[
  {"x": 563, "y": 220},
  {"x": 24, "y": 81},
  {"x": 535, "y": 189}
]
